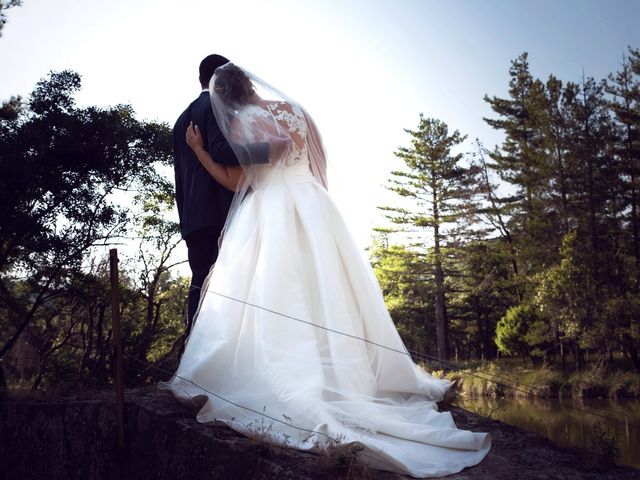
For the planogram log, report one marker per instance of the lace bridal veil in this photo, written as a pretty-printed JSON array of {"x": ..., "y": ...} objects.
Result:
[{"x": 249, "y": 111}]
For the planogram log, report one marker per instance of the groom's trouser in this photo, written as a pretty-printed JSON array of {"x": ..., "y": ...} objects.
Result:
[{"x": 202, "y": 248}]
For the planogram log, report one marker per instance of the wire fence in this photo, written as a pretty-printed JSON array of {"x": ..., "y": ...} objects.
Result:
[
  {"x": 257, "y": 412},
  {"x": 522, "y": 387},
  {"x": 334, "y": 441}
]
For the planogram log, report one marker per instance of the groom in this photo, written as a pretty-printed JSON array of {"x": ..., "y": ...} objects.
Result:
[{"x": 202, "y": 202}]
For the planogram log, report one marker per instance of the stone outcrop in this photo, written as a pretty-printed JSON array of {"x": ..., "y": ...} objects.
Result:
[{"x": 75, "y": 438}]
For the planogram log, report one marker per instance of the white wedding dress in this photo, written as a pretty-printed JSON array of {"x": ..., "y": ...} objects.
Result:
[{"x": 288, "y": 339}]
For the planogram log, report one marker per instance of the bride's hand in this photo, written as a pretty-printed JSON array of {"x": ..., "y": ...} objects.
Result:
[{"x": 194, "y": 137}]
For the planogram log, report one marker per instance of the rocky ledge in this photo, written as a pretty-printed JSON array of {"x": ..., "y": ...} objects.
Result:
[{"x": 75, "y": 438}]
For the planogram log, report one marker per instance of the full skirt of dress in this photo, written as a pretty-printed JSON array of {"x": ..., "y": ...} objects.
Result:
[{"x": 292, "y": 342}]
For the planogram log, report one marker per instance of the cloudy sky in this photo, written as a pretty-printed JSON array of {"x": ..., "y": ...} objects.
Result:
[{"x": 364, "y": 69}]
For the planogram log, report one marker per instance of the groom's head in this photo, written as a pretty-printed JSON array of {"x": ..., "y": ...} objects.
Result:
[{"x": 208, "y": 66}]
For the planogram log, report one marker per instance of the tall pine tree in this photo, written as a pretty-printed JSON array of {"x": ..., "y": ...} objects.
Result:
[
  {"x": 624, "y": 87},
  {"x": 522, "y": 162},
  {"x": 440, "y": 189}
]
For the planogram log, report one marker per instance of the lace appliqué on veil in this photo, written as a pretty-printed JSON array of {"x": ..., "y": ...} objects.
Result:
[{"x": 288, "y": 120}]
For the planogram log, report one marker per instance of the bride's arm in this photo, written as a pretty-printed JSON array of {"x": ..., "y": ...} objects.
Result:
[{"x": 230, "y": 177}]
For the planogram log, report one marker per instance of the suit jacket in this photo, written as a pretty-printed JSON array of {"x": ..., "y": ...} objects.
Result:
[{"x": 202, "y": 202}]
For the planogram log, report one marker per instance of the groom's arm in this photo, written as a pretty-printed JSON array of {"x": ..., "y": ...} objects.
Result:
[
  {"x": 221, "y": 151},
  {"x": 218, "y": 147}
]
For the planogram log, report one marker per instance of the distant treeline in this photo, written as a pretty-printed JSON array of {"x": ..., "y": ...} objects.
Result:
[{"x": 533, "y": 247}]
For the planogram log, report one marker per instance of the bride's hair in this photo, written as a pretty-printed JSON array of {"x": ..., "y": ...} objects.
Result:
[{"x": 232, "y": 84}]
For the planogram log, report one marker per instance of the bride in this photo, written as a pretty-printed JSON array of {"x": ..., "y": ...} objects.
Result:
[{"x": 292, "y": 341}]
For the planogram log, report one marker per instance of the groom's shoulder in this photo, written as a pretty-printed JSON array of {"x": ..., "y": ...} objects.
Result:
[
  {"x": 200, "y": 106},
  {"x": 194, "y": 109}
]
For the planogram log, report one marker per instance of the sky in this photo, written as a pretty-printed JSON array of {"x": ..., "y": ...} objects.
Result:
[{"x": 364, "y": 69}]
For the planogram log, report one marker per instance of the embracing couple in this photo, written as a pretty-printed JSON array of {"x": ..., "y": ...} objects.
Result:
[{"x": 289, "y": 338}]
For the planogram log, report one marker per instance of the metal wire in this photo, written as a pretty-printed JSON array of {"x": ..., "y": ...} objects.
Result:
[{"x": 635, "y": 421}]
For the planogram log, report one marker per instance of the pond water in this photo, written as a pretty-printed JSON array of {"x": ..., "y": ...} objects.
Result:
[{"x": 568, "y": 422}]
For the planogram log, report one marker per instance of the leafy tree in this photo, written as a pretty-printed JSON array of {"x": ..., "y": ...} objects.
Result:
[
  {"x": 407, "y": 285},
  {"x": 5, "y": 5},
  {"x": 159, "y": 238},
  {"x": 62, "y": 166},
  {"x": 68, "y": 344},
  {"x": 512, "y": 329},
  {"x": 480, "y": 291},
  {"x": 561, "y": 256},
  {"x": 564, "y": 297},
  {"x": 595, "y": 171},
  {"x": 621, "y": 315}
]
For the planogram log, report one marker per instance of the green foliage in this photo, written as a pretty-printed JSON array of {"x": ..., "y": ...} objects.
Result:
[
  {"x": 566, "y": 274},
  {"x": 435, "y": 178},
  {"x": 513, "y": 329},
  {"x": 571, "y": 154},
  {"x": 480, "y": 289},
  {"x": 621, "y": 314},
  {"x": 506, "y": 377},
  {"x": 563, "y": 293},
  {"x": 549, "y": 270},
  {"x": 66, "y": 171},
  {"x": 401, "y": 273},
  {"x": 4, "y": 5},
  {"x": 60, "y": 166}
]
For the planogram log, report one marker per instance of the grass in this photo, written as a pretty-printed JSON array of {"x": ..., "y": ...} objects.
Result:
[
  {"x": 335, "y": 459},
  {"x": 343, "y": 461}
]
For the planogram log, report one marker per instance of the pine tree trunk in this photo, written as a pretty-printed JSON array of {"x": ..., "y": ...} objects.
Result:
[
  {"x": 563, "y": 191},
  {"x": 482, "y": 346},
  {"x": 593, "y": 227},
  {"x": 631, "y": 160},
  {"x": 578, "y": 356},
  {"x": 634, "y": 228},
  {"x": 514, "y": 266},
  {"x": 441, "y": 312}
]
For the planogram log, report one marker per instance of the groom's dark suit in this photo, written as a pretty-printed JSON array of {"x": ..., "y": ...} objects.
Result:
[{"x": 202, "y": 202}]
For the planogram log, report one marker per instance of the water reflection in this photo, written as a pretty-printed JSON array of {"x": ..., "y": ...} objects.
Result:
[{"x": 565, "y": 421}]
